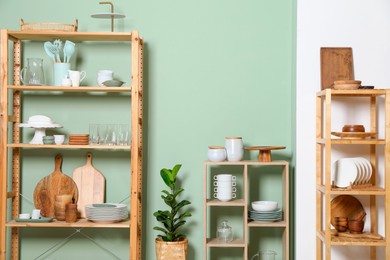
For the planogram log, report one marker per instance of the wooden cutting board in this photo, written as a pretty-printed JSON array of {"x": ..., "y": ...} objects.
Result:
[
  {"x": 346, "y": 206},
  {"x": 336, "y": 64},
  {"x": 57, "y": 183},
  {"x": 90, "y": 183}
]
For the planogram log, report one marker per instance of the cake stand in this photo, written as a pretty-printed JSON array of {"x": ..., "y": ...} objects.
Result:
[{"x": 40, "y": 131}]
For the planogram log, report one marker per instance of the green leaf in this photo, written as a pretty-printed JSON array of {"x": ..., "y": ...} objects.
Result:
[{"x": 166, "y": 177}]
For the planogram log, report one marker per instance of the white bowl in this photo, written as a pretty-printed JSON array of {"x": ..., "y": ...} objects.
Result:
[
  {"x": 264, "y": 205},
  {"x": 216, "y": 153}
]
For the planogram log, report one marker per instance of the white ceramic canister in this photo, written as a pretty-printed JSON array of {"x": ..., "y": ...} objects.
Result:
[
  {"x": 234, "y": 148},
  {"x": 216, "y": 153}
]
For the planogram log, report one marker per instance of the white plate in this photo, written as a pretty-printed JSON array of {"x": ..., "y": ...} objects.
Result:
[
  {"x": 369, "y": 171},
  {"x": 361, "y": 170},
  {"x": 344, "y": 172}
]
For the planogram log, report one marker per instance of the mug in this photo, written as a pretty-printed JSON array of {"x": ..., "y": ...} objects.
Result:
[
  {"x": 224, "y": 177},
  {"x": 36, "y": 214},
  {"x": 225, "y": 189},
  {"x": 104, "y": 75},
  {"x": 76, "y": 77},
  {"x": 224, "y": 196},
  {"x": 224, "y": 183}
]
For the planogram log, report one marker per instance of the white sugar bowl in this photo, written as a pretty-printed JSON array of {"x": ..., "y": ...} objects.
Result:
[{"x": 216, "y": 153}]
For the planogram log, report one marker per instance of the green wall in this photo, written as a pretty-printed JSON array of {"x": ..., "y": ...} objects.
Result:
[{"x": 211, "y": 69}]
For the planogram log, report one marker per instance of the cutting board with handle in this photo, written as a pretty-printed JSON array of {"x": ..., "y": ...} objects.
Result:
[
  {"x": 336, "y": 64},
  {"x": 57, "y": 183},
  {"x": 90, "y": 183}
]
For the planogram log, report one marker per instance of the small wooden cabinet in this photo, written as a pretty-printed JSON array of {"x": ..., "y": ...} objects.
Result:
[
  {"x": 378, "y": 103},
  {"x": 247, "y": 190},
  {"x": 11, "y": 143}
]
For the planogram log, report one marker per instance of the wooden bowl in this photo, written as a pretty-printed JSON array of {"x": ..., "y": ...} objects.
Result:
[
  {"x": 353, "y": 128},
  {"x": 347, "y": 84},
  {"x": 356, "y": 226}
]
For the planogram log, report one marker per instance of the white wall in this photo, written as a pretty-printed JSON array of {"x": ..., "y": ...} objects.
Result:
[{"x": 362, "y": 25}]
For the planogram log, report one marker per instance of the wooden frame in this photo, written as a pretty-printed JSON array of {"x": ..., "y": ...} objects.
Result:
[
  {"x": 324, "y": 189},
  {"x": 212, "y": 242},
  {"x": 17, "y": 37}
]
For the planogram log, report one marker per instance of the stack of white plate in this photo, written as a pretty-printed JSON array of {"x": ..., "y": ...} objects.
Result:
[
  {"x": 106, "y": 212},
  {"x": 346, "y": 171},
  {"x": 266, "y": 216}
]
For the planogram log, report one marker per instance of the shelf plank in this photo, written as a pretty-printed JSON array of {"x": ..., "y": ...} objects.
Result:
[
  {"x": 267, "y": 224},
  {"x": 245, "y": 162},
  {"x": 72, "y": 36},
  {"x": 232, "y": 203},
  {"x": 351, "y": 141},
  {"x": 124, "y": 89},
  {"x": 355, "y": 92},
  {"x": 68, "y": 146},
  {"x": 214, "y": 242},
  {"x": 372, "y": 190},
  {"x": 80, "y": 223}
]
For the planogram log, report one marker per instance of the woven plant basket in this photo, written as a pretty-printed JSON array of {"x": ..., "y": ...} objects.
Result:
[{"x": 171, "y": 250}]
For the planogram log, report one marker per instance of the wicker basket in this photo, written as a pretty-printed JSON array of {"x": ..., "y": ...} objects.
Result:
[
  {"x": 171, "y": 250},
  {"x": 48, "y": 26}
]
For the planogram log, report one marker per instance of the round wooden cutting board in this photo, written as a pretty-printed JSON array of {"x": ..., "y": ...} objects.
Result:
[
  {"x": 346, "y": 206},
  {"x": 54, "y": 184}
]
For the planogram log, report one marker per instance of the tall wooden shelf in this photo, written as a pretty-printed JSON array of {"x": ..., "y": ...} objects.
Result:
[
  {"x": 247, "y": 170},
  {"x": 325, "y": 191},
  {"x": 10, "y": 151}
]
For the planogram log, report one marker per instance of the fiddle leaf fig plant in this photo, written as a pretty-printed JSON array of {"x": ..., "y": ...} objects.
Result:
[{"x": 175, "y": 217}]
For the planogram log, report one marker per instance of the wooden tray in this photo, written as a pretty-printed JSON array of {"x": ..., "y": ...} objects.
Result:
[{"x": 346, "y": 206}]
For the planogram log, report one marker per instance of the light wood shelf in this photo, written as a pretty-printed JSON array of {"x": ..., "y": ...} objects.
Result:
[
  {"x": 325, "y": 191},
  {"x": 246, "y": 170},
  {"x": 11, "y": 52},
  {"x": 80, "y": 223}
]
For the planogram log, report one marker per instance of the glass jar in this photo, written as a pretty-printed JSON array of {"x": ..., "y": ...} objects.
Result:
[{"x": 224, "y": 232}]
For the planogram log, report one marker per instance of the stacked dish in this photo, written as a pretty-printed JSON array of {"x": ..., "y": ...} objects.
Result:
[
  {"x": 266, "y": 216},
  {"x": 106, "y": 212},
  {"x": 347, "y": 171}
]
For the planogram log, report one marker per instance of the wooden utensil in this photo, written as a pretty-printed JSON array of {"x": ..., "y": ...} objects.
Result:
[
  {"x": 346, "y": 206},
  {"x": 336, "y": 64},
  {"x": 57, "y": 183},
  {"x": 90, "y": 183}
]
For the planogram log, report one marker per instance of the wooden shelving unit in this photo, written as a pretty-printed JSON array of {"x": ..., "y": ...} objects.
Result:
[
  {"x": 10, "y": 150},
  {"x": 248, "y": 169},
  {"x": 325, "y": 143}
]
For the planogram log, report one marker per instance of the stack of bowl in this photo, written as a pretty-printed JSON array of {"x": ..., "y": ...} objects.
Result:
[
  {"x": 60, "y": 205},
  {"x": 79, "y": 139}
]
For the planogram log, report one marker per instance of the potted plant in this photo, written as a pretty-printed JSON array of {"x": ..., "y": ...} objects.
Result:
[{"x": 171, "y": 244}]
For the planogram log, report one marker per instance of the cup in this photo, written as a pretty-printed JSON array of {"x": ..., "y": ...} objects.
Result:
[
  {"x": 224, "y": 177},
  {"x": 224, "y": 183},
  {"x": 104, "y": 75},
  {"x": 225, "y": 189},
  {"x": 24, "y": 216},
  {"x": 93, "y": 134},
  {"x": 222, "y": 196},
  {"x": 123, "y": 134},
  {"x": 36, "y": 214},
  {"x": 71, "y": 213},
  {"x": 234, "y": 149},
  {"x": 60, "y": 72},
  {"x": 76, "y": 77},
  {"x": 59, "y": 139}
]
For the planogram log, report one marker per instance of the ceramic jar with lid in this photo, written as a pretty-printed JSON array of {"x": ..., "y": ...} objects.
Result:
[
  {"x": 216, "y": 153},
  {"x": 234, "y": 148}
]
